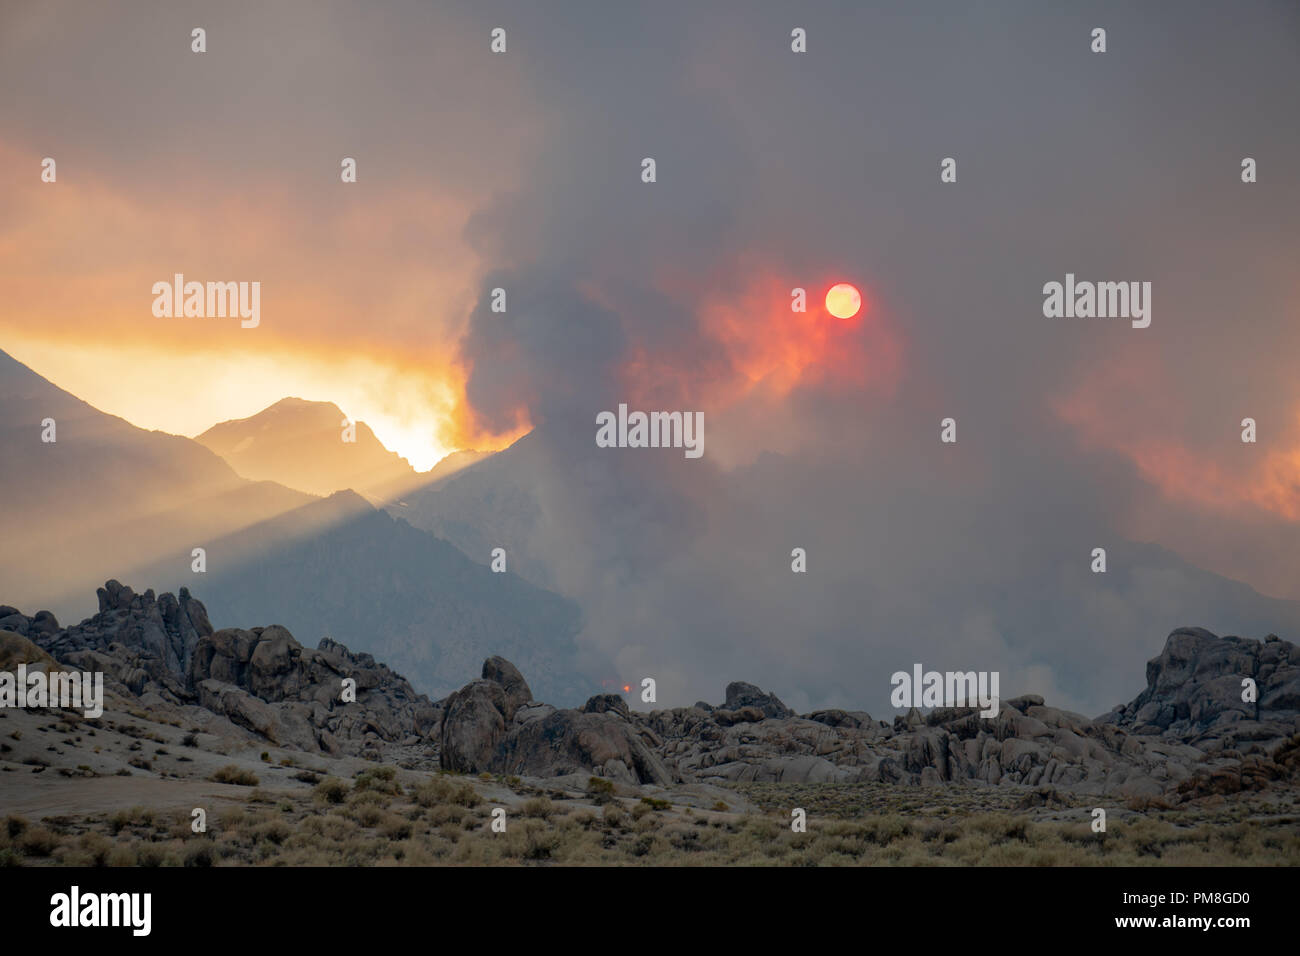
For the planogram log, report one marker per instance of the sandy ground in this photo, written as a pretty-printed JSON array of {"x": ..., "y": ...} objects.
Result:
[
  {"x": 37, "y": 796},
  {"x": 55, "y": 764}
]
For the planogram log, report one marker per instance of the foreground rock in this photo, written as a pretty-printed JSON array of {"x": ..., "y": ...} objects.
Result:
[
  {"x": 265, "y": 681},
  {"x": 494, "y": 725}
]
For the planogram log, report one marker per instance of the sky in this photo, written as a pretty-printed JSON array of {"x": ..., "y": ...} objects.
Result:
[{"x": 775, "y": 170}]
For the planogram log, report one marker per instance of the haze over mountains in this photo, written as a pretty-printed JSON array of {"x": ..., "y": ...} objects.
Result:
[
  {"x": 652, "y": 567},
  {"x": 107, "y": 500},
  {"x": 105, "y": 494},
  {"x": 685, "y": 574},
  {"x": 298, "y": 443}
]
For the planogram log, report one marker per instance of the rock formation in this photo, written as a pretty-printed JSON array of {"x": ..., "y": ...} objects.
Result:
[
  {"x": 1194, "y": 690},
  {"x": 1187, "y": 724},
  {"x": 164, "y": 652},
  {"x": 1190, "y": 732}
]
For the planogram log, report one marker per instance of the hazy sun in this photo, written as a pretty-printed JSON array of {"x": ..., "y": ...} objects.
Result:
[{"x": 843, "y": 301}]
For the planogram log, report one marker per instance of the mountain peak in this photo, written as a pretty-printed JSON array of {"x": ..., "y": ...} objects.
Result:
[
  {"x": 308, "y": 445},
  {"x": 293, "y": 401}
]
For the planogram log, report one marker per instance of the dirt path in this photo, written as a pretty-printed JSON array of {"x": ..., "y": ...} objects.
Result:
[{"x": 49, "y": 795}]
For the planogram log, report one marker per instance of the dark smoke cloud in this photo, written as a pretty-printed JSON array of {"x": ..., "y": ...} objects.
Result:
[{"x": 973, "y": 556}]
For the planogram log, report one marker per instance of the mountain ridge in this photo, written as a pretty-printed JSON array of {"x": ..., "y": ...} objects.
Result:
[{"x": 110, "y": 500}]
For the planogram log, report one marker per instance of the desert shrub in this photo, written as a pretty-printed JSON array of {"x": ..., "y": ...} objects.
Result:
[
  {"x": 273, "y": 831},
  {"x": 393, "y": 827},
  {"x": 231, "y": 773},
  {"x": 539, "y": 807},
  {"x": 540, "y": 843},
  {"x": 683, "y": 837},
  {"x": 366, "y": 814},
  {"x": 644, "y": 844},
  {"x": 200, "y": 853},
  {"x": 445, "y": 813},
  {"x": 600, "y": 790},
  {"x": 369, "y": 798},
  {"x": 379, "y": 779},
  {"x": 38, "y": 841},
  {"x": 330, "y": 790},
  {"x": 96, "y": 847},
  {"x": 136, "y": 816},
  {"x": 441, "y": 790},
  {"x": 150, "y": 854}
]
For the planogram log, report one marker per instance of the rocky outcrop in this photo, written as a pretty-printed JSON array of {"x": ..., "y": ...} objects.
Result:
[
  {"x": 1180, "y": 728},
  {"x": 140, "y": 642},
  {"x": 265, "y": 681},
  {"x": 1189, "y": 733},
  {"x": 571, "y": 741},
  {"x": 1195, "y": 691},
  {"x": 493, "y": 725},
  {"x": 740, "y": 694},
  {"x": 164, "y": 650},
  {"x": 16, "y": 649},
  {"x": 1256, "y": 771}
]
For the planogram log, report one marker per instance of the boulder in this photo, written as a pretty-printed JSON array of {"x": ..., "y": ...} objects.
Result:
[
  {"x": 501, "y": 671},
  {"x": 607, "y": 703},
  {"x": 570, "y": 741},
  {"x": 473, "y": 723},
  {"x": 740, "y": 694}
]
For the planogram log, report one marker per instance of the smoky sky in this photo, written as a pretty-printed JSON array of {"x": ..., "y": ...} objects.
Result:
[
  {"x": 1119, "y": 166},
  {"x": 776, "y": 170}
]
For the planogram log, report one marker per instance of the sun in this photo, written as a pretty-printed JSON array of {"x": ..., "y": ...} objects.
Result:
[{"x": 843, "y": 301}]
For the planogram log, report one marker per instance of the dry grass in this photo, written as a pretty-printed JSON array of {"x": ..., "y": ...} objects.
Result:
[
  {"x": 444, "y": 821},
  {"x": 231, "y": 773}
]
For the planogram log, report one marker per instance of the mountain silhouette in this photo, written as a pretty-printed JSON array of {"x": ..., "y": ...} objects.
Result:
[
  {"x": 106, "y": 499},
  {"x": 301, "y": 444}
]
